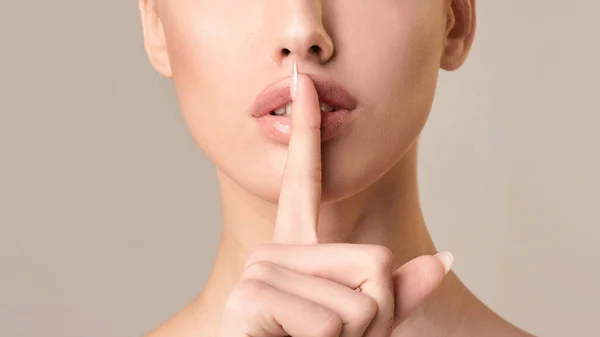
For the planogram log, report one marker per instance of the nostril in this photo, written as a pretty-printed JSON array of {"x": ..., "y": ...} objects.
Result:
[{"x": 313, "y": 50}]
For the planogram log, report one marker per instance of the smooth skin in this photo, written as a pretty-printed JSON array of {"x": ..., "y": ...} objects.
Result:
[
  {"x": 319, "y": 239},
  {"x": 297, "y": 287}
]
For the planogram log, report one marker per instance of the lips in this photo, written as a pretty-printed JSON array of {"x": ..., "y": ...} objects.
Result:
[{"x": 277, "y": 96}]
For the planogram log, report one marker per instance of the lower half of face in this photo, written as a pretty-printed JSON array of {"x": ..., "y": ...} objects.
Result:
[{"x": 223, "y": 53}]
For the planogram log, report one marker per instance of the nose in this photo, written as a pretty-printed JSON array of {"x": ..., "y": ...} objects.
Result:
[{"x": 300, "y": 33}]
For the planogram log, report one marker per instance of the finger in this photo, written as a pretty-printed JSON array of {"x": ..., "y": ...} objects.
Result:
[
  {"x": 416, "y": 280},
  {"x": 356, "y": 309},
  {"x": 367, "y": 267},
  {"x": 256, "y": 309},
  {"x": 300, "y": 195}
]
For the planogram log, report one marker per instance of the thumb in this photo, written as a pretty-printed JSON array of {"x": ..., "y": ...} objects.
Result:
[{"x": 416, "y": 280}]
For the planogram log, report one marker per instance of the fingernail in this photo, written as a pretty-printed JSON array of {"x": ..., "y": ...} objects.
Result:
[
  {"x": 447, "y": 260},
  {"x": 294, "y": 86}
]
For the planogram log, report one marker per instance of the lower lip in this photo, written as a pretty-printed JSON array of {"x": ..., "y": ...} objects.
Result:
[{"x": 278, "y": 128}]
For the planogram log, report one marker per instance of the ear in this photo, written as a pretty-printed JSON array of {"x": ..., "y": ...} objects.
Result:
[
  {"x": 460, "y": 32},
  {"x": 154, "y": 37}
]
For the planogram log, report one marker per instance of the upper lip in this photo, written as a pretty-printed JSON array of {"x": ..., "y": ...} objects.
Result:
[{"x": 278, "y": 95}]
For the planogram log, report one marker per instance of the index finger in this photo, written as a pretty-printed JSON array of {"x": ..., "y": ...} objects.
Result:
[{"x": 300, "y": 195}]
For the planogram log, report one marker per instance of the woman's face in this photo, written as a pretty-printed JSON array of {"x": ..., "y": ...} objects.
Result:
[{"x": 386, "y": 54}]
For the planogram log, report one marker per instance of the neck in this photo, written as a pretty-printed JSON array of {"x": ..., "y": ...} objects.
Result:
[{"x": 388, "y": 213}]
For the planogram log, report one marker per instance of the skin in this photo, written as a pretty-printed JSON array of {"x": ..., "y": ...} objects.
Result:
[{"x": 323, "y": 239}]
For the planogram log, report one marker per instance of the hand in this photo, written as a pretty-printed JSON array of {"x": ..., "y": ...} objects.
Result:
[{"x": 297, "y": 287}]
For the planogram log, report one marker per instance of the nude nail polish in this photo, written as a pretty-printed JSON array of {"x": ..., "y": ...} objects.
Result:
[
  {"x": 294, "y": 86},
  {"x": 447, "y": 260}
]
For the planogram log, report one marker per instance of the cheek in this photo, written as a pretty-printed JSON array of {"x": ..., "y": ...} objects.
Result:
[
  {"x": 205, "y": 55},
  {"x": 394, "y": 56},
  {"x": 396, "y": 74},
  {"x": 400, "y": 62},
  {"x": 215, "y": 85}
]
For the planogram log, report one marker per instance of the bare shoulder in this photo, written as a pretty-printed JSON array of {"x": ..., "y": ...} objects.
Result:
[
  {"x": 515, "y": 333},
  {"x": 499, "y": 327}
]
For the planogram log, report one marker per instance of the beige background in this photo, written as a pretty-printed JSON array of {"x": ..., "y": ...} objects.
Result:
[{"x": 109, "y": 213}]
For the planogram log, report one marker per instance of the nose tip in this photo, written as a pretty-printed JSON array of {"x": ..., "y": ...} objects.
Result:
[
  {"x": 314, "y": 45},
  {"x": 300, "y": 32}
]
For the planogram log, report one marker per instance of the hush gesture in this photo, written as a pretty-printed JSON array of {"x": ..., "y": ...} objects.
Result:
[{"x": 298, "y": 287}]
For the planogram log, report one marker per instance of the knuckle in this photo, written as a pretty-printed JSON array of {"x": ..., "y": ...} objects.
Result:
[
  {"x": 330, "y": 326},
  {"x": 368, "y": 310},
  {"x": 259, "y": 270},
  {"x": 381, "y": 259},
  {"x": 260, "y": 253},
  {"x": 363, "y": 313},
  {"x": 247, "y": 295}
]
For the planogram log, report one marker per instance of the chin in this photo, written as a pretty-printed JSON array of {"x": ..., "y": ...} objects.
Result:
[{"x": 345, "y": 175}]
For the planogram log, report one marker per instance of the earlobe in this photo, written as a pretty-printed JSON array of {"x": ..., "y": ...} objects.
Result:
[
  {"x": 154, "y": 38},
  {"x": 460, "y": 32}
]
